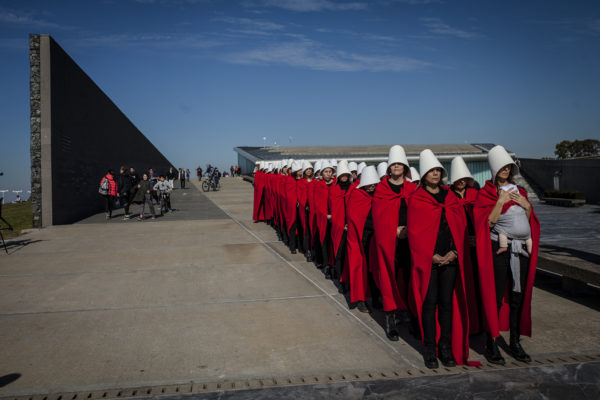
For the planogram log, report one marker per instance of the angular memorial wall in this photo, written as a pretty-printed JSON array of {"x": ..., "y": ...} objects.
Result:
[{"x": 77, "y": 133}]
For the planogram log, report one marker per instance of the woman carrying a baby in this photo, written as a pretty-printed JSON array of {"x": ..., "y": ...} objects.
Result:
[{"x": 507, "y": 237}]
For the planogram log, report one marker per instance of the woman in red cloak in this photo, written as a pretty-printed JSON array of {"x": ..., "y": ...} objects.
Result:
[
  {"x": 337, "y": 212},
  {"x": 436, "y": 234},
  {"x": 322, "y": 217},
  {"x": 507, "y": 278},
  {"x": 304, "y": 193},
  {"x": 291, "y": 204},
  {"x": 463, "y": 187},
  {"x": 391, "y": 245},
  {"x": 258, "y": 213},
  {"x": 359, "y": 243}
]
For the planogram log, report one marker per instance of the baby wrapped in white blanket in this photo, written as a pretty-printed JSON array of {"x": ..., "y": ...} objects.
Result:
[{"x": 514, "y": 224}]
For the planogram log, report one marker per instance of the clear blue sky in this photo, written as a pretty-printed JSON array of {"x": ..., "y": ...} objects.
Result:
[{"x": 199, "y": 77}]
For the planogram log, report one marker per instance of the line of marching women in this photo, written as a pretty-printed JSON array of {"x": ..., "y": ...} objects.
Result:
[{"x": 448, "y": 260}]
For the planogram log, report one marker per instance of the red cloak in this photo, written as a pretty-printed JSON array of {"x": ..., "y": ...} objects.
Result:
[
  {"x": 312, "y": 215},
  {"x": 302, "y": 193},
  {"x": 281, "y": 179},
  {"x": 291, "y": 201},
  {"x": 258, "y": 212},
  {"x": 357, "y": 210},
  {"x": 321, "y": 193},
  {"x": 386, "y": 213},
  {"x": 494, "y": 323},
  {"x": 424, "y": 215},
  {"x": 337, "y": 209},
  {"x": 467, "y": 203}
]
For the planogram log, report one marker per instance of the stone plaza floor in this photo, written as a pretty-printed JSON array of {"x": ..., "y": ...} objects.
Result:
[{"x": 204, "y": 298}]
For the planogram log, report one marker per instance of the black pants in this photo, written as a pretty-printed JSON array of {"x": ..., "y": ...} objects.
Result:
[
  {"x": 502, "y": 276},
  {"x": 125, "y": 201},
  {"x": 402, "y": 263},
  {"x": 375, "y": 292},
  {"x": 292, "y": 236},
  {"x": 182, "y": 183},
  {"x": 325, "y": 245},
  {"x": 439, "y": 294},
  {"x": 110, "y": 201},
  {"x": 306, "y": 239},
  {"x": 340, "y": 257}
]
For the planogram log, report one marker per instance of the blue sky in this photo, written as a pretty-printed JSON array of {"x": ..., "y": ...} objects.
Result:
[{"x": 199, "y": 77}]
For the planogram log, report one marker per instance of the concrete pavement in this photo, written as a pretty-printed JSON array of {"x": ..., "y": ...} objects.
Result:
[{"x": 204, "y": 295}]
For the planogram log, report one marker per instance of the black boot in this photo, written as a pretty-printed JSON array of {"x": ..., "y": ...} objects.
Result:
[
  {"x": 309, "y": 256},
  {"x": 492, "y": 353},
  {"x": 517, "y": 351},
  {"x": 327, "y": 270},
  {"x": 362, "y": 307},
  {"x": 390, "y": 326},
  {"x": 445, "y": 354},
  {"x": 429, "y": 357}
]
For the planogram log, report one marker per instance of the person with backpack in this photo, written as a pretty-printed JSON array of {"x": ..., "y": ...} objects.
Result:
[{"x": 108, "y": 189}]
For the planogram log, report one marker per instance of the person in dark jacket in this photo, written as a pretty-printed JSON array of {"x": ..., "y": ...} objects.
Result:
[
  {"x": 124, "y": 192},
  {"x": 144, "y": 195},
  {"x": 171, "y": 176},
  {"x": 182, "y": 177},
  {"x": 111, "y": 193}
]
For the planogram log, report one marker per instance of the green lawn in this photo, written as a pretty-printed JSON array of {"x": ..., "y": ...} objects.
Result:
[{"x": 19, "y": 216}]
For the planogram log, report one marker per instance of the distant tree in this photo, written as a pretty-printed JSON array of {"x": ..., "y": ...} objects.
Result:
[{"x": 577, "y": 148}]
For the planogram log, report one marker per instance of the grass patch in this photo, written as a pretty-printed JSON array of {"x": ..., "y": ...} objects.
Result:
[{"x": 19, "y": 216}]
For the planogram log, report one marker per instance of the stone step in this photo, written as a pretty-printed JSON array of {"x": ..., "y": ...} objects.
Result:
[{"x": 520, "y": 181}]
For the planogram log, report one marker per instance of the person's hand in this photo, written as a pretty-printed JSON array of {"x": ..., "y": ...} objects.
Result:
[
  {"x": 118, "y": 195},
  {"x": 346, "y": 227},
  {"x": 503, "y": 197},
  {"x": 401, "y": 232},
  {"x": 139, "y": 186},
  {"x": 520, "y": 200},
  {"x": 448, "y": 258},
  {"x": 437, "y": 259},
  {"x": 328, "y": 216}
]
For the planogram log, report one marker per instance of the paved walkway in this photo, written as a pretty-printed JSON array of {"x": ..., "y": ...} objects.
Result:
[{"x": 207, "y": 296}]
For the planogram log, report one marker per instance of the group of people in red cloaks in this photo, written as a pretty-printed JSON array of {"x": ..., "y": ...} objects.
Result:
[{"x": 448, "y": 260}]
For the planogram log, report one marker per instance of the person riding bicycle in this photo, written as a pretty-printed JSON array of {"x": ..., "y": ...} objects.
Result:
[
  {"x": 212, "y": 173},
  {"x": 164, "y": 188}
]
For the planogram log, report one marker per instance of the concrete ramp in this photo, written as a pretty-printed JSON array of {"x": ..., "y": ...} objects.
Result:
[{"x": 200, "y": 305}]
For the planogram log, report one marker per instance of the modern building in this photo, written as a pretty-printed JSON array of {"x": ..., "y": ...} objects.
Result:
[{"x": 475, "y": 155}]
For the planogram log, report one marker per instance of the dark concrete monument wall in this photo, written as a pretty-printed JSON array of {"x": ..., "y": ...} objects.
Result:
[
  {"x": 77, "y": 133},
  {"x": 580, "y": 174}
]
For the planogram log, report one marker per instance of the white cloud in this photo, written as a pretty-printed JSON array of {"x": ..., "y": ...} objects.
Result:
[
  {"x": 155, "y": 40},
  {"x": 26, "y": 19},
  {"x": 437, "y": 26},
  {"x": 315, "y": 5},
  {"x": 312, "y": 55}
]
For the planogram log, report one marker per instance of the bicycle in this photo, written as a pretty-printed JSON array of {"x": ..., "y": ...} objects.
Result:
[
  {"x": 163, "y": 202},
  {"x": 210, "y": 183}
]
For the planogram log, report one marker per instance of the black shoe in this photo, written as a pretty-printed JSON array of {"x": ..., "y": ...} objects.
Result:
[
  {"x": 446, "y": 357},
  {"x": 390, "y": 327},
  {"x": 431, "y": 361},
  {"x": 518, "y": 353},
  {"x": 342, "y": 288},
  {"x": 309, "y": 256},
  {"x": 327, "y": 272},
  {"x": 492, "y": 353},
  {"x": 293, "y": 251},
  {"x": 362, "y": 307}
]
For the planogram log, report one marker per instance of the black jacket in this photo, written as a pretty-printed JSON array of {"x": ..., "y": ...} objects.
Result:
[{"x": 123, "y": 183}]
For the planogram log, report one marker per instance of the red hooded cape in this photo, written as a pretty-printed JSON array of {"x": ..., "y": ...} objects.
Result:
[
  {"x": 312, "y": 208},
  {"x": 321, "y": 193},
  {"x": 494, "y": 323},
  {"x": 470, "y": 277},
  {"x": 386, "y": 209},
  {"x": 357, "y": 210},
  {"x": 302, "y": 193},
  {"x": 258, "y": 212},
  {"x": 291, "y": 201},
  {"x": 269, "y": 196},
  {"x": 280, "y": 193},
  {"x": 337, "y": 209},
  {"x": 424, "y": 215}
]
